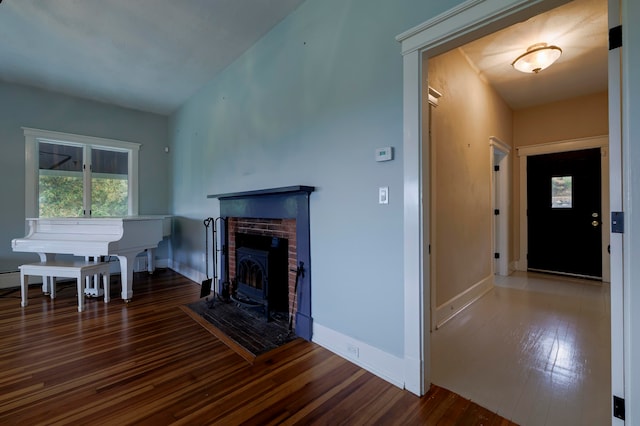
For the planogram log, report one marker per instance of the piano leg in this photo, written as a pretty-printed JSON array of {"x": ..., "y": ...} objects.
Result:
[
  {"x": 24, "y": 289},
  {"x": 49, "y": 286},
  {"x": 92, "y": 287},
  {"x": 47, "y": 282},
  {"x": 151, "y": 254},
  {"x": 126, "y": 275},
  {"x": 52, "y": 284}
]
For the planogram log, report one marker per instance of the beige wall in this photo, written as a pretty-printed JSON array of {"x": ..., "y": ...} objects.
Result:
[
  {"x": 570, "y": 119},
  {"x": 468, "y": 114},
  {"x": 576, "y": 118}
]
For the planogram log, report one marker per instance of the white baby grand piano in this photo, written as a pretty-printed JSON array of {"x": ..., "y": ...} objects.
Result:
[{"x": 123, "y": 237}]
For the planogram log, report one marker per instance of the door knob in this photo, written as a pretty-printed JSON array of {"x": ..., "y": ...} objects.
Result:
[
  {"x": 595, "y": 223},
  {"x": 594, "y": 214}
]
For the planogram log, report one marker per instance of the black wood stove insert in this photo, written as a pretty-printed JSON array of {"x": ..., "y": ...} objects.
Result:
[{"x": 261, "y": 273}]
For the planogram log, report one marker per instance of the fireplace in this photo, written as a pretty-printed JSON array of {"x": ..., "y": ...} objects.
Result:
[
  {"x": 259, "y": 268},
  {"x": 265, "y": 238}
]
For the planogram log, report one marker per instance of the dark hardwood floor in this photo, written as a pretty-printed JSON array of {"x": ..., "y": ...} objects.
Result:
[{"x": 149, "y": 362}]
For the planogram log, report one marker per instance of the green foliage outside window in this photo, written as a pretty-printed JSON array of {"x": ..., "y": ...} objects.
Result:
[{"x": 61, "y": 196}]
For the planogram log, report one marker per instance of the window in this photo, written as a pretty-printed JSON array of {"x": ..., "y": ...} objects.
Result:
[
  {"x": 561, "y": 192},
  {"x": 79, "y": 176}
]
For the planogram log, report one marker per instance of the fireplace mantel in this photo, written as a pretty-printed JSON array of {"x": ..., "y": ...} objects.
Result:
[
  {"x": 290, "y": 202},
  {"x": 271, "y": 191}
]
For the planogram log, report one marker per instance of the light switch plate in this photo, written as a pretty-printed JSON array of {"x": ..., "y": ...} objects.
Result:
[{"x": 383, "y": 195}]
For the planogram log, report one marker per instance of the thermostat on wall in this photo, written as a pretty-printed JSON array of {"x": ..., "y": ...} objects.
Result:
[{"x": 384, "y": 154}]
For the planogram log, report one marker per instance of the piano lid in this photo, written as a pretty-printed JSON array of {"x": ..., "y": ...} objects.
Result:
[{"x": 93, "y": 236}]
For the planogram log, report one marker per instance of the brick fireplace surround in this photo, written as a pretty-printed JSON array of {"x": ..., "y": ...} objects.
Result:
[
  {"x": 279, "y": 212},
  {"x": 280, "y": 228}
]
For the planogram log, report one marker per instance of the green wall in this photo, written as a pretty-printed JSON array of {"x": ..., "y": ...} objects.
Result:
[
  {"x": 22, "y": 106},
  {"x": 308, "y": 105}
]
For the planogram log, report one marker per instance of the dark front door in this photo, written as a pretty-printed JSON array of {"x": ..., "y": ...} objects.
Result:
[{"x": 564, "y": 213}]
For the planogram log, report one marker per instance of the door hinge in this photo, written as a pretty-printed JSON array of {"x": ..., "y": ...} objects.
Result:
[
  {"x": 496, "y": 168},
  {"x": 429, "y": 248},
  {"x": 617, "y": 222},
  {"x": 496, "y": 212},
  {"x": 496, "y": 255},
  {"x": 615, "y": 37},
  {"x": 618, "y": 407}
]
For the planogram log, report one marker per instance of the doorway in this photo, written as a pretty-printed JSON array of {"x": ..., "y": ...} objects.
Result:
[
  {"x": 454, "y": 28},
  {"x": 564, "y": 216}
]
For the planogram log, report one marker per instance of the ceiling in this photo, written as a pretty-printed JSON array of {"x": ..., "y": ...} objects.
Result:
[
  {"x": 150, "y": 55},
  {"x": 579, "y": 28}
]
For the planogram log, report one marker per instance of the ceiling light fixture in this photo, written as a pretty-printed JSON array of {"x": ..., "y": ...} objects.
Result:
[{"x": 536, "y": 58}]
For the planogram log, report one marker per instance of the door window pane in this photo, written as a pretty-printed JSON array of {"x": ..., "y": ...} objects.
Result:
[
  {"x": 109, "y": 183},
  {"x": 60, "y": 180},
  {"x": 561, "y": 192}
]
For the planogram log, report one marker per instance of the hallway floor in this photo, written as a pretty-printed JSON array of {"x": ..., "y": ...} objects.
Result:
[{"x": 535, "y": 349}]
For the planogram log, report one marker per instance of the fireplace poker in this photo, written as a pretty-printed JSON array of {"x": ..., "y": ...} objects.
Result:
[
  {"x": 215, "y": 261},
  {"x": 216, "y": 280},
  {"x": 215, "y": 250},
  {"x": 206, "y": 284},
  {"x": 299, "y": 271}
]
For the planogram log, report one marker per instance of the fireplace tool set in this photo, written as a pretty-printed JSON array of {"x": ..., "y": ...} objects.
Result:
[
  {"x": 222, "y": 291},
  {"x": 207, "y": 284}
]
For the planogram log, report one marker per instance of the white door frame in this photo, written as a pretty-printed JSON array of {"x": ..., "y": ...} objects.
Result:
[
  {"x": 468, "y": 21},
  {"x": 500, "y": 197},
  {"x": 524, "y": 152},
  {"x": 620, "y": 253}
]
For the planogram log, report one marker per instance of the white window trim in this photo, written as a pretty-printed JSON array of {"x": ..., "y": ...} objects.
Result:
[{"x": 34, "y": 136}]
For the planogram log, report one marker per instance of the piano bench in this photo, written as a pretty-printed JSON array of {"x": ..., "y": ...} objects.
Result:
[{"x": 78, "y": 269}]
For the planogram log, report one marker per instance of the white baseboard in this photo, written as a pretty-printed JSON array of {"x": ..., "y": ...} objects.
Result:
[
  {"x": 162, "y": 263},
  {"x": 190, "y": 273},
  {"x": 382, "y": 364},
  {"x": 457, "y": 304},
  {"x": 10, "y": 280},
  {"x": 140, "y": 263}
]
